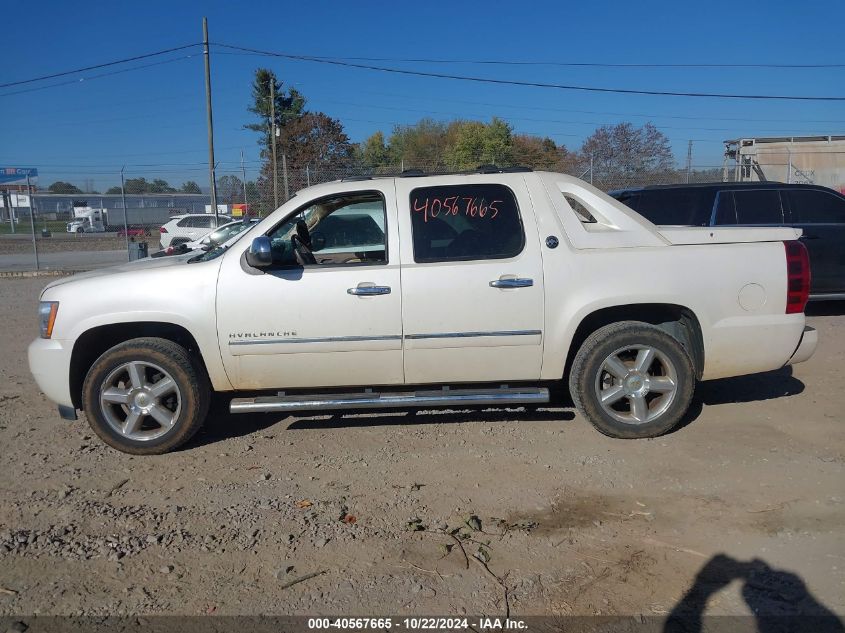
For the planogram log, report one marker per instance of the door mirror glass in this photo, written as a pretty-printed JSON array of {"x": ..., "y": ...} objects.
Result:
[{"x": 260, "y": 253}]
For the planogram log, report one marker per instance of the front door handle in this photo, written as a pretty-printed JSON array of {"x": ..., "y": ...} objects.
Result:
[
  {"x": 368, "y": 290},
  {"x": 512, "y": 282}
]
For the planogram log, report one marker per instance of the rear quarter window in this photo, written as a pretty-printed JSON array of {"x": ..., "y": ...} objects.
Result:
[
  {"x": 810, "y": 206},
  {"x": 465, "y": 222}
]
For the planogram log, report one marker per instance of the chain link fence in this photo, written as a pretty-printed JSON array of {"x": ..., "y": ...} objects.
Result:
[
  {"x": 81, "y": 231},
  {"x": 262, "y": 198}
]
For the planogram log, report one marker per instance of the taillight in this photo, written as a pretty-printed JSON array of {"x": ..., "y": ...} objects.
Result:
[
  {"x": 162, "y": 230},
  {"x": 797, "y": 276}
]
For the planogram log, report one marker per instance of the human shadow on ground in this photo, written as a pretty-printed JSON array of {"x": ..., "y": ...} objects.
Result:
[{"x": 779, "y": 601}]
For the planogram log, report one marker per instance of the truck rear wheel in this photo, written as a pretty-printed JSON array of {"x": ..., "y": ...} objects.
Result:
[
  {"x": 145, "y": 396},
  {"x": 632, "y": 380}
]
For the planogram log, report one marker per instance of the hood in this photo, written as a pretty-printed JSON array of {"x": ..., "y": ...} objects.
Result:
[{"x": 148, "y": 263}]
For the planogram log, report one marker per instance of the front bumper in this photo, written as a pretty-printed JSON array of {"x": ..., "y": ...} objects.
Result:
[
  {"x": 49, "y": 362},
  {"x": 806, "y": 346}
]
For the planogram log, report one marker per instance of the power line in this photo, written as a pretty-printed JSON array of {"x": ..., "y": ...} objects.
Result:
[
  {"x": 100, "y": 76},
  {"x": 499, "y": 62},
  {"x": 792, "y": 131},
  {"x": 532, "y": 84},
  {"x": 602, "y": 113},
  {"x": 96, "y": 66}
]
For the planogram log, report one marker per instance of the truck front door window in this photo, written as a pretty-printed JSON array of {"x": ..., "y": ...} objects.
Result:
[{"x": 341, "y": 229}]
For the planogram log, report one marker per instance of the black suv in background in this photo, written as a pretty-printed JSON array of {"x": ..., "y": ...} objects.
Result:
[{"x": 817, "y": 210}]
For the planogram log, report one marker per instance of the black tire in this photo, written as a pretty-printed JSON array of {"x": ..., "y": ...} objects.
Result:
[
  {"x": 192, "y": 384},
  {"x": 80, "y": 230},
  {"x": 587, "y": 375}
]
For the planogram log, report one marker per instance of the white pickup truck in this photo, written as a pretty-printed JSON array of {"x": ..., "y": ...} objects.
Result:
[{"x": 463, "y": 290}]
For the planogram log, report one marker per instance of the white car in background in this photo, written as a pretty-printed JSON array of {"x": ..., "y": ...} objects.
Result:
[
  {"x": 222, "y": 235},
  {"x": 181, "y": 229},
  {"x": 218, "y": 237}
]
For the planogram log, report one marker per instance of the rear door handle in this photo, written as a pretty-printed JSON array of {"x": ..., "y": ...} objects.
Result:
[
  {"x": 512, "y": 282},
  {"x": 368, "y": 290}
]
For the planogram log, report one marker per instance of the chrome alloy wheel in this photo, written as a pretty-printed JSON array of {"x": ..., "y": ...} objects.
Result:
[
  {"x": 140, "y": 401},
  {"x": 636, "y": 384}
]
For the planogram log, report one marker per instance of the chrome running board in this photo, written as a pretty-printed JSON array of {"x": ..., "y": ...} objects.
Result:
[{"x": 389, "y": 400}]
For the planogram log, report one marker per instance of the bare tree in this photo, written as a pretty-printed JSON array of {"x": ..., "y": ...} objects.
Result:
[{"x": 625, "y": 154}]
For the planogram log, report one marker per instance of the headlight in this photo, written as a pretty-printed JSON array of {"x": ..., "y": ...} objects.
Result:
[{"x": 47, "y": 317}]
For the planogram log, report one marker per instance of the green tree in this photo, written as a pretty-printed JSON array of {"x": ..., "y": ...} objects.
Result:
[
  {"x": 230, "y": 189},
  {"x": 473, "y": 143},
  {"x": 420, "y": 145},
  {"x": 63, "y": 187},
  {"x": 142, "y": 185},
  {"x": 315, "y": 139},
  {"x": 190, "y": 187},
  {"x": 535, "y": 152},
  {"x": 289, "y": 104},
  {"x": 374, "y": 153},
  {"x": 161, "y": 186},
  {"x": 252, "y": 193}
]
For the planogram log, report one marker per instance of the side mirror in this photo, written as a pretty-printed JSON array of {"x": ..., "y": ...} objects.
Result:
[{"x": 260, "y": 253}]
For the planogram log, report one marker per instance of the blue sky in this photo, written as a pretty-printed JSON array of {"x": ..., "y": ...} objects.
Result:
[{"x": 153, "y": 119}]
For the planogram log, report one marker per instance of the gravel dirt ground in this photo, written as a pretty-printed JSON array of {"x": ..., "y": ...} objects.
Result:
[{"x": 354, "y": 514}]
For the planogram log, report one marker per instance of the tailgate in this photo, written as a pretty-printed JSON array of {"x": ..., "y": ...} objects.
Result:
[{"x": 678, "y": 235}]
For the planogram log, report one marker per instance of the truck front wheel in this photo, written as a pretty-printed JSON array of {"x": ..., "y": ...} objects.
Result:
[
  {"x": 145, "y": 396},
  {"x": 632, "y": 380}
]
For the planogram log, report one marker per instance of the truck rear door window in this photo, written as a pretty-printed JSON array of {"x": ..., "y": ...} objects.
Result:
[
  {"x": 669, "y": 207},
  {"x": 810, "y": 206},
  {"x": 465, "y": 222}
]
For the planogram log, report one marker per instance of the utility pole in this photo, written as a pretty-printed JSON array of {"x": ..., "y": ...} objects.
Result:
[
  {"x": 7, "y": 197},
  {"x": 210, "y": 121},
  {"x": 789, "y": 166},
  {"x": 243, "y": 181},
  {"x": 689, "y": 160},
  {"x": 285, "y": 173},
  {"x": 273, "y": 140},
  {"x": 125, "y": 212},
  {"x": 32, "y": 220}
]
